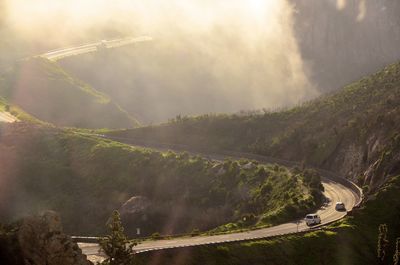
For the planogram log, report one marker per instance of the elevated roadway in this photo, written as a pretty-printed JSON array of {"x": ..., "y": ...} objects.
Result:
[{"x": 61, "y": 53}]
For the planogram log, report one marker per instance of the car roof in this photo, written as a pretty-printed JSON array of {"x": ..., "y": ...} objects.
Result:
[
  {"x": 312, "y": 214},
  {"x": 339, "y": 203}
]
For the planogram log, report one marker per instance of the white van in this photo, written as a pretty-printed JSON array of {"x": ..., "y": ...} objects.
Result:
[{"x": 312, "y": 219}]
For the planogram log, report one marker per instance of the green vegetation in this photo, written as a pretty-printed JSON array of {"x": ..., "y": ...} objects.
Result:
[
  {"x": 382, "y": 243},
  {"x": 280, "y": 197},
  {"x": 350, "y": 241},
  {"x": 80, "y": 175},
  {"x": 336, "y": 131},
  {"x": 16, "y": 111},
  {"x": 44, "y": 90},
  {"x": 396, "y": 256},
  {"x": 116, "y": 245},
  {"x": 354, "y": 130}
]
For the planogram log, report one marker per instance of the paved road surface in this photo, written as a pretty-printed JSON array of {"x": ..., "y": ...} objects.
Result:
[
  {"x": 334, "y": 192},
  {"x": 7, "y": 117},
  {"x": 92, "y": 47}
]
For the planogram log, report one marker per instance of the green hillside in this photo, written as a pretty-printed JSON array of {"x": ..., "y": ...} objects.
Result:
[
  {"x": 85, "y": 178},
  {"x": 351, "y": 241},
  {"x": 5, "y": 106},
  {"x": 344, "y": 131},
  {"x": 354, "y": 131},
  {"x": 44, "y": 90}
]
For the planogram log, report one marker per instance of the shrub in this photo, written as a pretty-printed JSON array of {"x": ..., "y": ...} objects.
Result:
[
  {"x": 155, "y": 236},
  {"x": 195, "y": 232},
  {"x": 116, "y": 245}
]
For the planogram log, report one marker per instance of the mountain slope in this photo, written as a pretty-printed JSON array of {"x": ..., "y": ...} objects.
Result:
[
  {"x": 346, "y": 131},
  {"x": 351, "y": 241},
  {"x": 355, "y": 131},
  {"x": 44, "y": 90},
  {"x": 43, "y": 167},
  {"x": 13, "y": 113}
]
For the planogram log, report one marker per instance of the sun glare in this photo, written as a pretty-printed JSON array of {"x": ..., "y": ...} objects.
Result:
[
  {"x": 259, "y": 9},
  {"x": 29, "y": 14}
]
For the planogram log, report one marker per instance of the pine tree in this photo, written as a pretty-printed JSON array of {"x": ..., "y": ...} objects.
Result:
[
  {"x": 396, "y": 256},
  {"x": 116, "y": 245},
  {"x": 383, "y": 243}
]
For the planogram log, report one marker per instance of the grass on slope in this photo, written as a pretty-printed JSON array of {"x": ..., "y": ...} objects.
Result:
[
  {"x": 351, "y": 241},
  {"x": 85, "y": 179},
  {"x": 16, "y": 112},
  {"x": 351, "y": 111},
  {"x": 348, "y": 126},
  {"x": 43, "y": 89}
]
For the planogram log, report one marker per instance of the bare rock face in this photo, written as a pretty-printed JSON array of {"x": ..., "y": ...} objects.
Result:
[
  {"x": 139, "y": 215},
  {"x": 41, "y": 241},
  {"x": 134, "y": 205}
]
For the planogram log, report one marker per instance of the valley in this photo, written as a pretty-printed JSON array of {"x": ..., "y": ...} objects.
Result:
[{"x": 199, "y": 133}]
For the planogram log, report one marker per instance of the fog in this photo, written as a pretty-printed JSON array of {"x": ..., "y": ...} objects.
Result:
[
  {"x": 206, "y": 56},
  {"x": 245, "y": 50},
  {"x": 212, "y": 56},
  {"x": 344, "y": 40}
]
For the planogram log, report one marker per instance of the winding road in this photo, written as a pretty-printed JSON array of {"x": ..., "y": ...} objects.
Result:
[
  {"x": 333, "y": 191},
  {"x": 336, "y": 189}
]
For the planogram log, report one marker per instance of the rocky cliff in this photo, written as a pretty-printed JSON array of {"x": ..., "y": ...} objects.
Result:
[{"x": 39, "y": 240}]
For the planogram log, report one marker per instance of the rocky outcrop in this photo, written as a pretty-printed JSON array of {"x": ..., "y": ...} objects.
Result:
[
  {"x": 135, "y": 205},
  {"x": 370, "y": 163},
  {"x": 139, "y": 212},
  {"x": 39, "y": 240}
]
